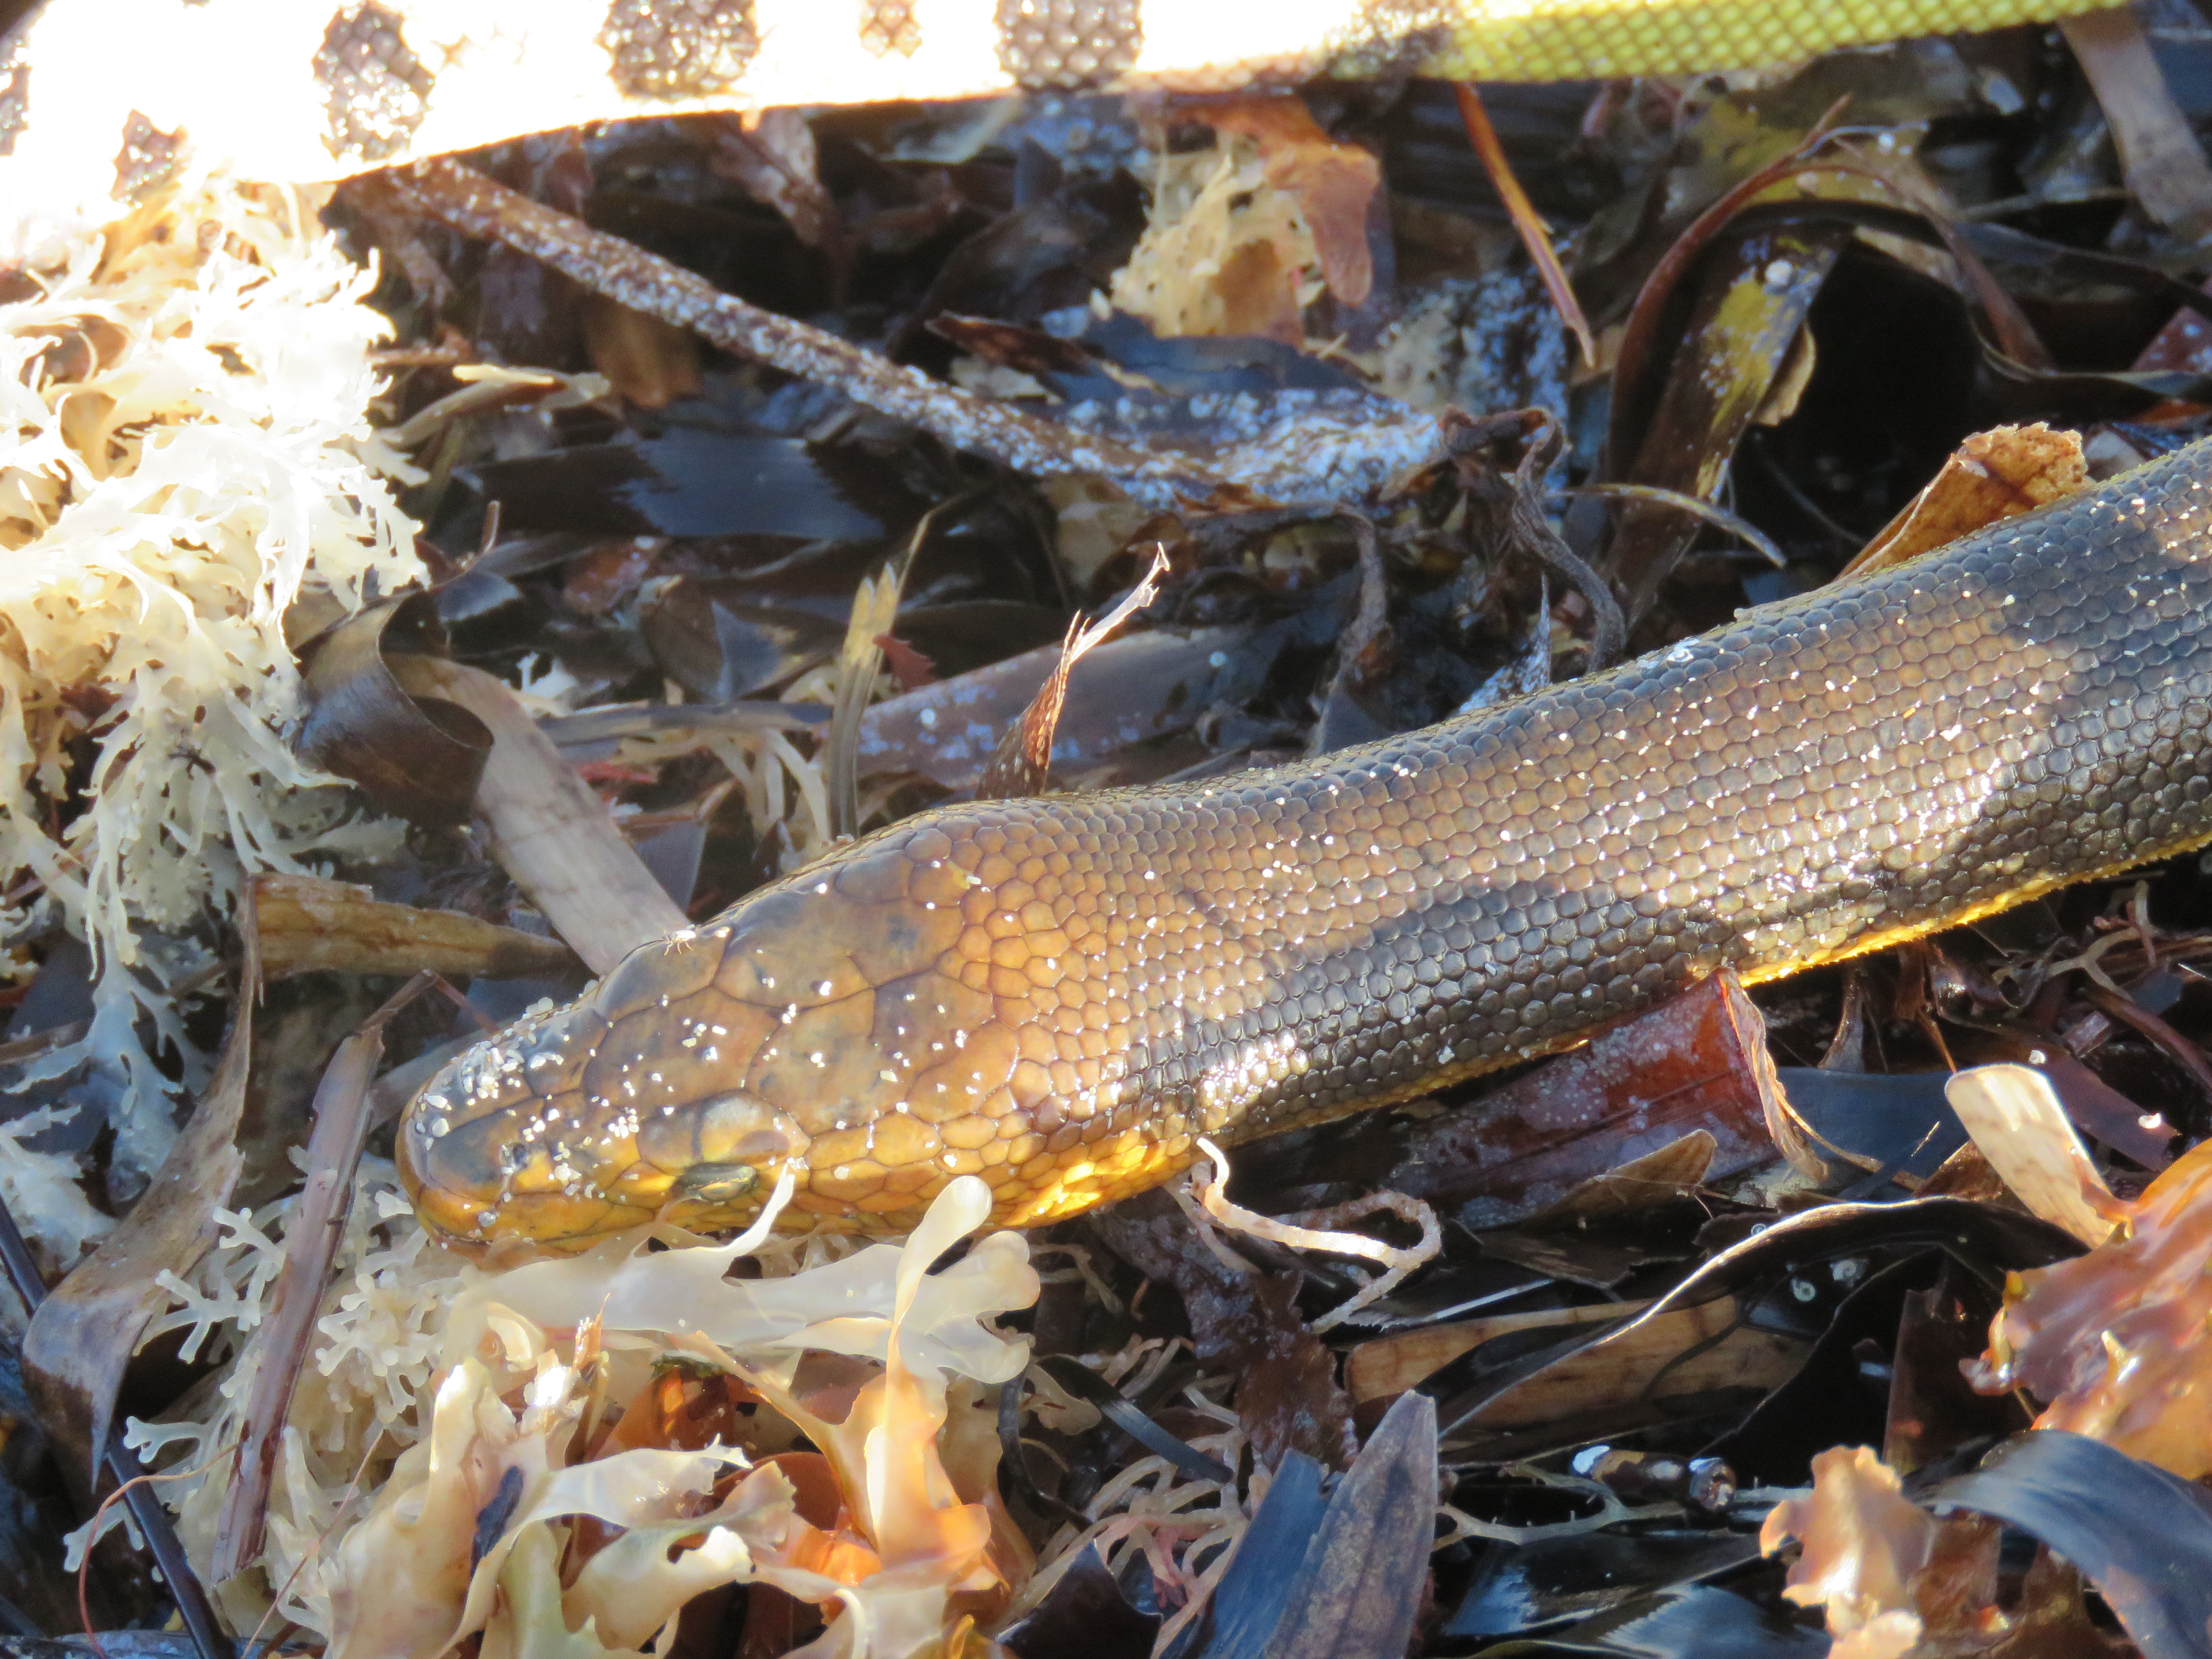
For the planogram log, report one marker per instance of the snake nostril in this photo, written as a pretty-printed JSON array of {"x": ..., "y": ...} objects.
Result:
[{"x": 475, "y": 1154}]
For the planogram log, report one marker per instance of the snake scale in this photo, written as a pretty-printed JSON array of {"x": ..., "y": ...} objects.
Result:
[{"x": 1062, "y": 994}]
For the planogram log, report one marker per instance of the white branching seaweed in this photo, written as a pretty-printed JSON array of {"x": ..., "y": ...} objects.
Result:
[{"x": 183, "y": 429}]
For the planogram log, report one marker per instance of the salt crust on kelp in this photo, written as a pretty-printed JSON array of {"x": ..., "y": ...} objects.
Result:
[
  {"x": 432, "y": 1380},
  {"x": 187, "y": 452}
]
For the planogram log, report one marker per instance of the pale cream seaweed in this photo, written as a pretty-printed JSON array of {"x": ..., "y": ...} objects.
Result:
[{"x": 185, "y": 453}]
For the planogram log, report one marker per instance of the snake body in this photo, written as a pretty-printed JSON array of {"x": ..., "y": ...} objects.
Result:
[{"x": 1062, "y": 994}]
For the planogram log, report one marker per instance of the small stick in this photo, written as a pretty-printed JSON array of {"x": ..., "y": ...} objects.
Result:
[
  {"x": 1021, "y": 763},
  {"x": 474, "y": 206},
  {"x": 129, "y": 1474},
  {"x": 2159, "y": 157},
  {"x": 1528, "y": 223},
  {"x": 333, "y": 1150}
]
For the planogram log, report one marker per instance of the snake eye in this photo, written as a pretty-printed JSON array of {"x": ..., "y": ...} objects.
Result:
[
  {"x": 722, "y": 1131},
  {"x": 716, "y": 1183}
]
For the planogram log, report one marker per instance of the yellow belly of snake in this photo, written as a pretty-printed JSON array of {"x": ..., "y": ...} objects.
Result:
[{"x": 1061, "y": 995}]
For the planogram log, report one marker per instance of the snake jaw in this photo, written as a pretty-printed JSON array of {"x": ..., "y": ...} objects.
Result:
[{"x": 571, "y": 1126}]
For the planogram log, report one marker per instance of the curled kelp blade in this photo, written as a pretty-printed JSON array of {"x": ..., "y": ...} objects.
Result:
[
  {"x": 2143, "y": 1537},
  {"x": 418, "y": 759},
  {"x": 547, "y": 828},
  {"x": 1987, "y": 1241}
]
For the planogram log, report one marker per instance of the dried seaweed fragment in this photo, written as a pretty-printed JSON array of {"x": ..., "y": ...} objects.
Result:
[
  {"x": 1899, "y": 1583},
  {"x": 1242, "y": 237},
  {"x": 476, "y": 1517},
  {"x": 1889, "y": 1575},
  {"x": 2116, "y": 1341}
]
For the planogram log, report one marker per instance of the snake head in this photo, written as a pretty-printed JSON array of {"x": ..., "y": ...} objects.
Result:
[
  {"x": 624, "y": 1107},
  {"x": 787, "y": 1033}
]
